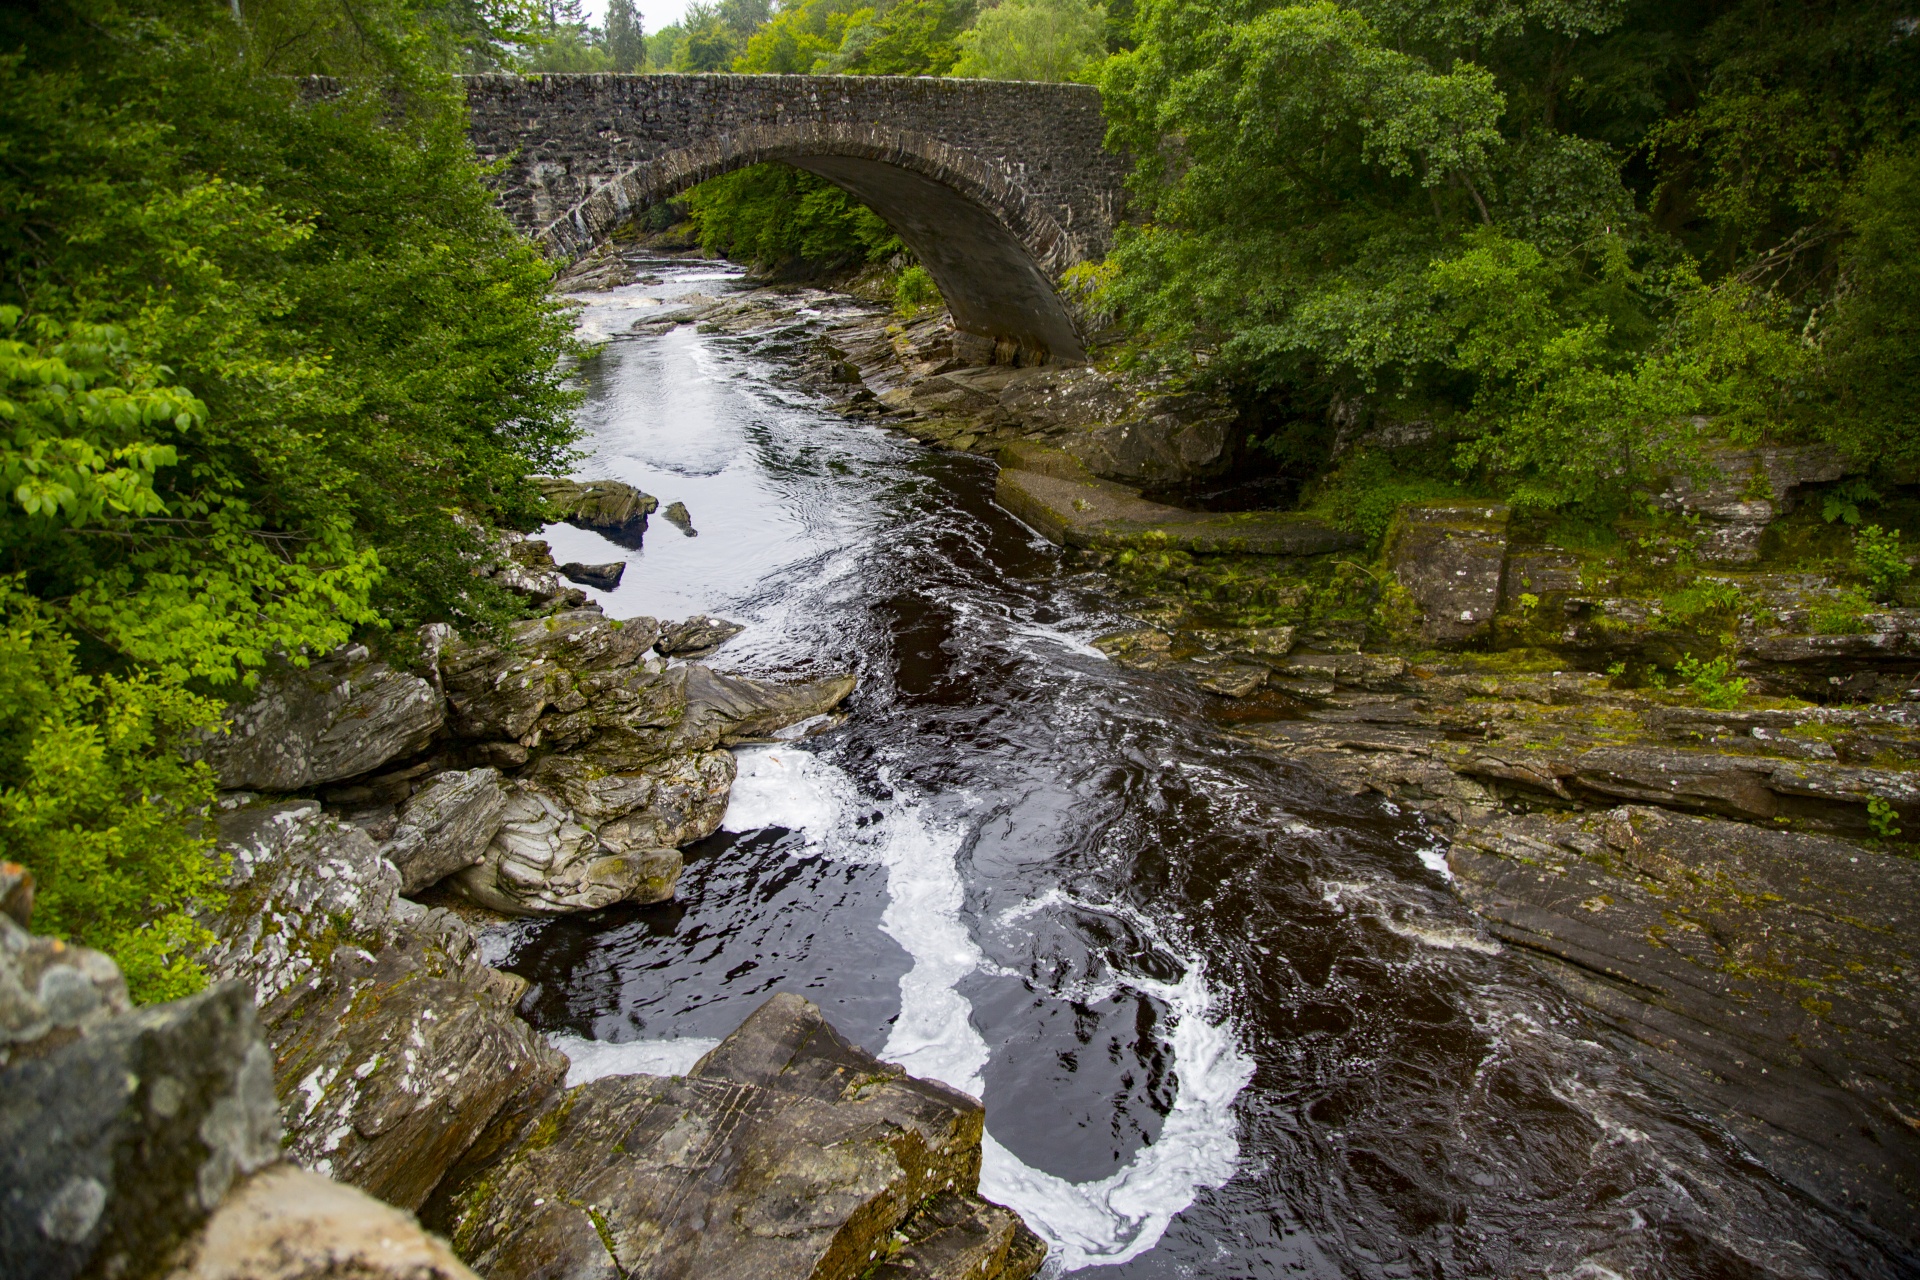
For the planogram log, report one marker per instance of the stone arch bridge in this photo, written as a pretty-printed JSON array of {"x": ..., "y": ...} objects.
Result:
[{"x": 998, "y": 187}]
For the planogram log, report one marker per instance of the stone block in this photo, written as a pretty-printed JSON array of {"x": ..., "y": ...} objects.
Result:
[
  {"x": 340, "y": 717},
  {"x": 1451, "y": 556},
  {"x": 117, "y": 1145}
]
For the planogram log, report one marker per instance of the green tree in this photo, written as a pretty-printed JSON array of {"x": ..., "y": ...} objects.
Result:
[
  {"x": 271, "y": 364},
  {"x": 663, "y": 47},
  {"x": 905, "y": 38},
  {"x": 710, "y": 43},
  {"x": 1557, "y": 231},
  {"x": 802, "y": 38},
  {"x": 1033, "y": 40},
  {"x": 626, "y": 38}
]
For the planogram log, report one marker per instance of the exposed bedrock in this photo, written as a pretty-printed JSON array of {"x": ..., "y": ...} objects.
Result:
[
  {"x": 786, "y": 1151},
  {"x": 393, "y": 1046},
  {"x": 141, "y": 1143},
  {"x": 1769, "y": 972},
  {"x": 556, "y": 769}
]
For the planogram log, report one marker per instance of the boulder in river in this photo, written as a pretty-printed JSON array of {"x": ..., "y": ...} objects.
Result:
[
  {"x": 786, "y": 1151},
  {"x": 698, "y": 635},
  {"x": 341, "y": 716},
  {"x": 604, "y": 577},
  {"x": 546, "y": 860},
  {"x": 680, "y": 518},
  {"x": 608, "y": 507}
]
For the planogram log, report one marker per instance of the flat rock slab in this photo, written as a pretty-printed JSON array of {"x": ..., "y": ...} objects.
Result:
[
  {"x": 1090, "y": 513},
  {"x": 787, "y": 1151},
  {"x": 1451, "y": 556},
  {"x": 1772, "y": 972}
]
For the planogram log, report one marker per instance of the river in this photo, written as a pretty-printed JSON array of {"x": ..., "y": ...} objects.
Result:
[{"x": 1226, "y": 1022}]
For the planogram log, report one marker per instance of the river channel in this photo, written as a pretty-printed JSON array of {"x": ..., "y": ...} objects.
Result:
[{"x": 1225, "y": 1021}]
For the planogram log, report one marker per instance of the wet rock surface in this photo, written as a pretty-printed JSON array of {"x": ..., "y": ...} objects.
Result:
[
  {"x": 1769, "y": 972},
  {"x": 609, "y": 507},
  {"x": 605, "y": 577},
  {"x": 787, "y": 1151}
]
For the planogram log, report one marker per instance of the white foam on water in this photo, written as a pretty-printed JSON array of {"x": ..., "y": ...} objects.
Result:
[
  {"x": 1434, "y": 858},
  {"x": 784, "y": 787},
  {"x": 1103, "y": 1222},
  {"x": 593, "y": 1059}
]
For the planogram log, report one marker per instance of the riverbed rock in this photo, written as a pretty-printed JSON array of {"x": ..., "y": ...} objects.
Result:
[
  {"x": 787, "y": 1151},
  {"x": 608, "y": 507},
  {"x": 1451, "y": 556},
  {"x": 341, "y": 716},
  {"x": 628, "y": 719},
  {"x": 51, "y": 992},
  {"x": 604, "y": 577},
  {"x": 497, "y": 691},
  {"x": 546, "y": 860},
  {"x": 393, "y": 1045},
  {"x": 393, "y": 1062},
  {"x": 285, "y": 1223},
  {"x": 1769, "y": 973},
  {"x": 697, "y": 635},
  {"x": 119, "y": 1143},
  {"x": 678, "y": 516},
  {"x": 667, "y": 803},
  {"x": 444, "y": 826}
]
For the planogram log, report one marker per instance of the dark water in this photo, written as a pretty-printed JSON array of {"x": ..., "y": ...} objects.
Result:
[{"x": 1225, "y": 1022}]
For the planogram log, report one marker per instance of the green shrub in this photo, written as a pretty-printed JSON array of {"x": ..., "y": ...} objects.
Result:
[
  {"x": 100, "y": 804},
  {"x": 1844, "y": 615},
  {"x": 771, "y": 214},
  {"x": 1879, "y": 559},
  {"x": 916, "y": 292},
  {"x": 1712, "y": 681}
]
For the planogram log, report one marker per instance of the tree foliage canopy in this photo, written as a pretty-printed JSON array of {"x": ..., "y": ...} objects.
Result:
[
  {"x": 265, "y": 353},
  {"x": 1562, "y": 230}
]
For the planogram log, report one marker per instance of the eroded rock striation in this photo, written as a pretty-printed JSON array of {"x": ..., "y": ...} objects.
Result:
[
  {"x": 1770, "y": 973},
  {"x": 787, "y": 1151}
]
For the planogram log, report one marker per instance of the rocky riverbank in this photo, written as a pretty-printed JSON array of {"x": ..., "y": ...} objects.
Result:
[
  {"x": 375, "y": 815},
  {"x": 1678, "y": 767}
]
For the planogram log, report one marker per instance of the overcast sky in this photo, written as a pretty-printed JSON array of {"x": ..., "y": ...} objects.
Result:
[{"x": 654, "y": 14}]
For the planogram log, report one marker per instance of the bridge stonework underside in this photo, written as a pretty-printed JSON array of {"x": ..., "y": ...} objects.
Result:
[{"x": 997, "y": 187}]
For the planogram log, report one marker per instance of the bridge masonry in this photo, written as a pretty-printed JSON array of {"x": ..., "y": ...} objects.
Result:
[{"x": 998, "y": 187}]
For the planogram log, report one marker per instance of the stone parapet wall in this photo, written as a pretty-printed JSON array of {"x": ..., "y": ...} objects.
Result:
[{"x": 565, "y": 136}]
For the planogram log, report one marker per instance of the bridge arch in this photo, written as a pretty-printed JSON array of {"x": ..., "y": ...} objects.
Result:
[
  {"x": 997, "y": 186},
  {"x": 994, "y": 252}
]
